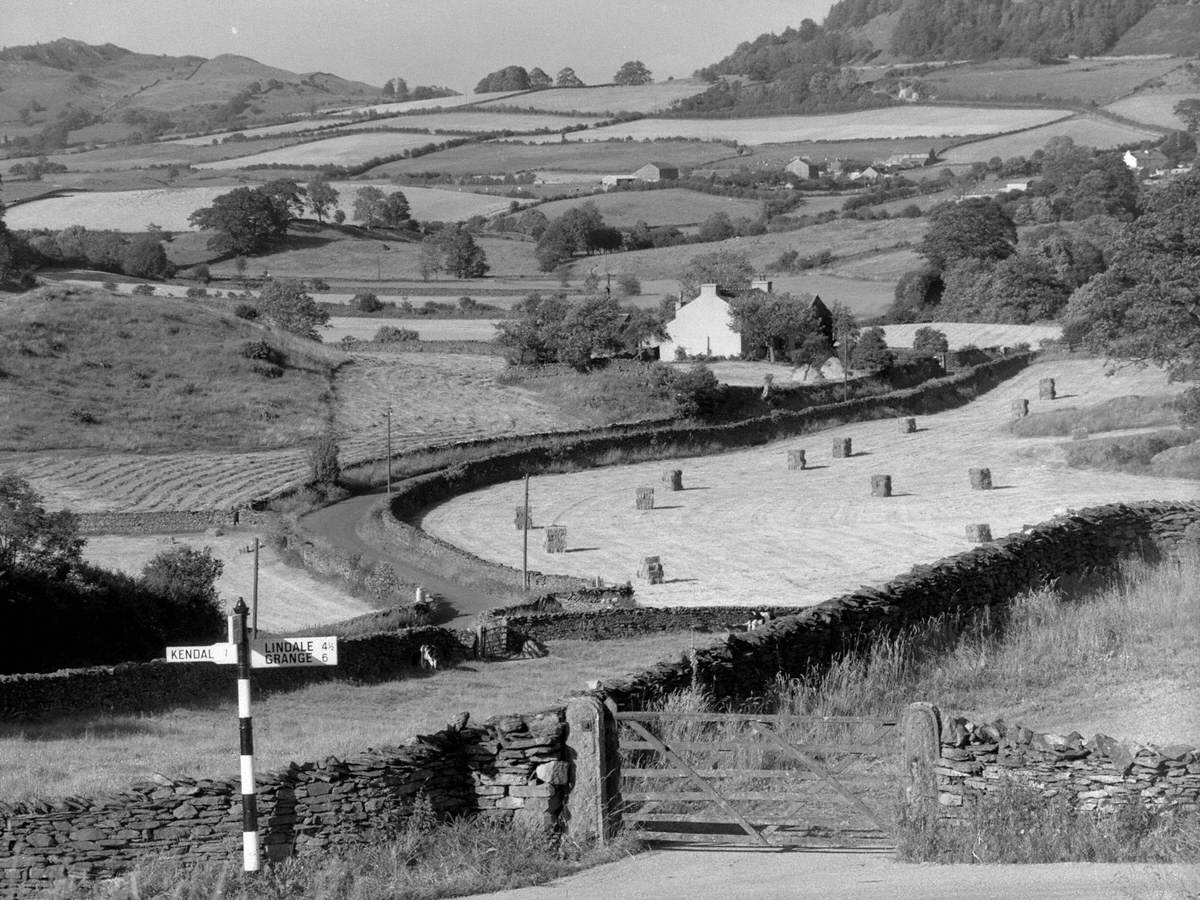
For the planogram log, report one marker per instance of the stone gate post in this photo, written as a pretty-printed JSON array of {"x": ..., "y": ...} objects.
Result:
[
  {"x": 920, "y": 741},
  {"x": 591, "y": 810}
]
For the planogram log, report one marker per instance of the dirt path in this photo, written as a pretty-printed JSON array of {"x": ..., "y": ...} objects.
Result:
[
  {"x": 849, "y": 875},
  {"x": 746, "y": 530}
]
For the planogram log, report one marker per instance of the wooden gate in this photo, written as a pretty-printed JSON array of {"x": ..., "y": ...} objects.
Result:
[{"x": 759, "y": 780}]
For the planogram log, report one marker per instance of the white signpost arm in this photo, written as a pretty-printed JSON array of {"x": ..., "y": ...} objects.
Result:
[{"x": 250, "y": 856}]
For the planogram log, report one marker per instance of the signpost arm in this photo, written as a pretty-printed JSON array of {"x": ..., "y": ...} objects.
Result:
[{"x": 250, "y": 862}]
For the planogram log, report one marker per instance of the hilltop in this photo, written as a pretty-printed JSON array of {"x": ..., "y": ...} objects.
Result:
[{"x": 69, "y": 91}]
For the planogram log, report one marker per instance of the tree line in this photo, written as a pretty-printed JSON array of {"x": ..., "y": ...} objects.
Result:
[{"x": 518, "y": 78}]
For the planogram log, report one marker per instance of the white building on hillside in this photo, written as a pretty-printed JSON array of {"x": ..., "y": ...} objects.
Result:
[{"x": 702, "y": 327}]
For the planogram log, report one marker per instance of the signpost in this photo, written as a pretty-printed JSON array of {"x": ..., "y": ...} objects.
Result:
[{"x": 247, "y": 654}]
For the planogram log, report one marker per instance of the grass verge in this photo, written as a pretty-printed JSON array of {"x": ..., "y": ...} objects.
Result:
[
  {"x": 1112, "y": 415},
  {"x": 428, "y": 859}
]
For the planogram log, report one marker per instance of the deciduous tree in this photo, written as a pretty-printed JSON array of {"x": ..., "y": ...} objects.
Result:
[
  {"x": 772, "y": 322},
  {"x": 285, "y": 305},
  {"x": 244, "y": 221},
  {"x": 566, "y": 78},
  {"x": 322, "y": 197},
  {"x": 729, "y": 270},
  {"x": 973, "y": 229},
  {"x": 632, "y": 73},
  {"x": 30, "y": 537},
  {"x": 930, "y": 342},
  {"x": 368, "y": 206}
]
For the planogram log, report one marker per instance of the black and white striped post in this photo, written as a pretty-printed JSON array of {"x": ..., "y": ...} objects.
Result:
[{"x": 250, "y": 862}]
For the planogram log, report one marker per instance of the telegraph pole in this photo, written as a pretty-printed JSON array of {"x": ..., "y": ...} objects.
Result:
[
  {"x": 388, "y": 413},
  {"x": 525, "y": 538},
  {"x": 254, "y": 593}
]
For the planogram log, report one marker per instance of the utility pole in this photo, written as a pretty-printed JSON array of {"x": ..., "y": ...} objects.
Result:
[
  {"x": 254, "y": 593},
  {"x": 525, "y": 539},
  {"x": 388, "y": 413}
]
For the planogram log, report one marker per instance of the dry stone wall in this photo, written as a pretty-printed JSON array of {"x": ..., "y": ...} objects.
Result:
[
  {"x": 512, "y": 767},
  {"x": 173, "y": 521},
  {"x": 974, "y": 760},
  {"x": 1089, "y": 540}
]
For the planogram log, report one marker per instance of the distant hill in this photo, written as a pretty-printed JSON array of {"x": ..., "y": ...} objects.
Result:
[
  {"x": 68, "y": 91},
  {"x": 806, "y": 68}
]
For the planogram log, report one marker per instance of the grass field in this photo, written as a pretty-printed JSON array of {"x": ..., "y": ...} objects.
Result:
[
  {"x": 170, "y": 207},
  {"x": 362, "y": 329},
  {"x": 87, "y": 755},
  {"x": 1153, "y": 108},
  {"x": 260, "y": 132},
  {"x": 158, "y": 154},
  {"x": 434, "y": 398},
  {"x": 778, "y": 155},
  {"x": 749, "y": 528},
  {"x": 895, "y": 122},
  {"x": 600, "y": 158},
  {"x": 1086, "y": 80},
  {"x": 343, "y": 150},
  {"x": 1086, "y": 130},
  {"x": 606, "y": 99},
  {"x": 289, "y": 598},
  {"x": 391, "y": 109},
  {"x": 975, "y": 334},
  {"x": 673, "y": 206}
]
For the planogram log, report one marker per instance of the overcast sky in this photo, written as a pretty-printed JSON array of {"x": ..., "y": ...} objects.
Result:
[{"x": 451, "y": 42}]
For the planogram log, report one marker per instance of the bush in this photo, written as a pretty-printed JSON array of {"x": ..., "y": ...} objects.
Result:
[
  {"x": 263, "y": 352},
  {"x": 196, "y": 293},
  {"x": 323, "y": 463},
  {"x": 202, "y": 273},
  {"x": 143, "y": 290},
  {"x": 390, "y": 334},
  {"x": 697, "y": 393},
  {"x": 1188, "y": 406},
  {"x": 366, "y": 302},
  {"x": 245, "y": 311}
]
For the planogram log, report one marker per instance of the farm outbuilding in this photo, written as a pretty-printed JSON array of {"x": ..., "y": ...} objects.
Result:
[
  {"x": 803, "y": 168},
  {"x": 1147, "y": 162},
  {"x": 657, "y": 171}
]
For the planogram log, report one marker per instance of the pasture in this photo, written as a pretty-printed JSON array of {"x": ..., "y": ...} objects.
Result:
[
  {"x": 169, "y": 208},
  {"x": 893, "y": 122},
  {"x": 604, "y": 99},
  {"x": 1095, "y": 80},
  {"x": 746, "y": 529},
  {"x": 671, "y": 206},
  {"x": 126, "y": 157},
  {"x": 363, "y": 329},
  {"x": 87, "y": 755},
  {"x": 1090, "y": 131},
  {"x": 408, "y": 106},
  {"x": 599, "y": 158},
  {"x": 1152, "y": 107},
  {"x": 342, "y": 150},
  {"x": 975, "y": 334},
  {"x": 289, "y": 598},
  {"x": 435, "y": 398}
]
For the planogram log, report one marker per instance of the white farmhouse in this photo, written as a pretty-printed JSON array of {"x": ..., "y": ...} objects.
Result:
[{"x": 702, "y": 327}]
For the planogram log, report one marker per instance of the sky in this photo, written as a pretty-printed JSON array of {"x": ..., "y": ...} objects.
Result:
[{"x": 449, "y": 42}]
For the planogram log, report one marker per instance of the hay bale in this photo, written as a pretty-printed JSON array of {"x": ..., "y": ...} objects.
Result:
[
  {"x": 1046, "y": 389},
  {"x": 981, "y": 479},
  {"x": 1020, "y": 408},
  {"x": 645, "y": 498},
  {"x": 796, "y": 459},
  {"x": 842, "y": 448},
  {"x": 523, "y": 518},
  {"x": 881, "y": 485},
  {"x": 908, "y": 426},
  {"x": 673, "y": 479},
  {"x": 979, "y": 534},
  {"x": 651, "y": 569},
  {"x": 556, "y": 538}
]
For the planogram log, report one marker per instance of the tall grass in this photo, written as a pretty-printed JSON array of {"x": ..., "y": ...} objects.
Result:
[
  {"x": 1139, "y": 623},
  {"x": 428, "y": 859}
]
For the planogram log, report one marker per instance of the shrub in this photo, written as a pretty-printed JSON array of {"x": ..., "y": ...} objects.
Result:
[
  {"x": 143, "y": 290},
  {"x": 1188, "y": 406},
  {"x": 196, "y": 293},
  {"x": 202, "y": 273},
  {"x": 318, "y": 284},
  {"x": 366, "y": 302},
  {"x": 185, "y": 579},
  {"x": 245, "y": 311},
  {"x": 390, "y": 334},
  {"x": 323, "y": 463},
  {"x": 263, "y": 352},
  {"x": 696, "y": 391}
]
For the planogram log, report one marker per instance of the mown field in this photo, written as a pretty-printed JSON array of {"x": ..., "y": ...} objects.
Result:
[
  {"x": 407, "y": 106},
  {"x": 169, "y": 208},
  {"x": 363, "y": 329},
  {"x": 673, "y": 206},
  {"x": 1086, "y": 130},
  {"x": 1153, "y": 108},
  {"x": 1097, "y": 81},
  {"x": 894, "y": 122},
  {"x": 343, "y": 150},
  {"x": 975, "y": 334},
  {"x": 600, "y": 158},
  {"x": 746, "y": 527},
  {"x": 605, "y": 99},
  {"x": 434, "y": 398},
  {"x": 160, "y": 154}
]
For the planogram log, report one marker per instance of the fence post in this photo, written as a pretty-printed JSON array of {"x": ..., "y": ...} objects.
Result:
[
  {"x": 591, "y": 810},
  {"x": 920, "y": 735}
]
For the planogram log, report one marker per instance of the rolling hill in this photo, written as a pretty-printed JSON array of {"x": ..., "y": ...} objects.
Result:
[{"x": 67, "y": 91}]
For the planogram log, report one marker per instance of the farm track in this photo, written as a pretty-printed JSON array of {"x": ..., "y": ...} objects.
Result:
[{"x": 435, "y": 398}]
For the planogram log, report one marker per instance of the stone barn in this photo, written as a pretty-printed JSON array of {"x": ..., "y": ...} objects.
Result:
[{"x": 657, "y": 171}]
